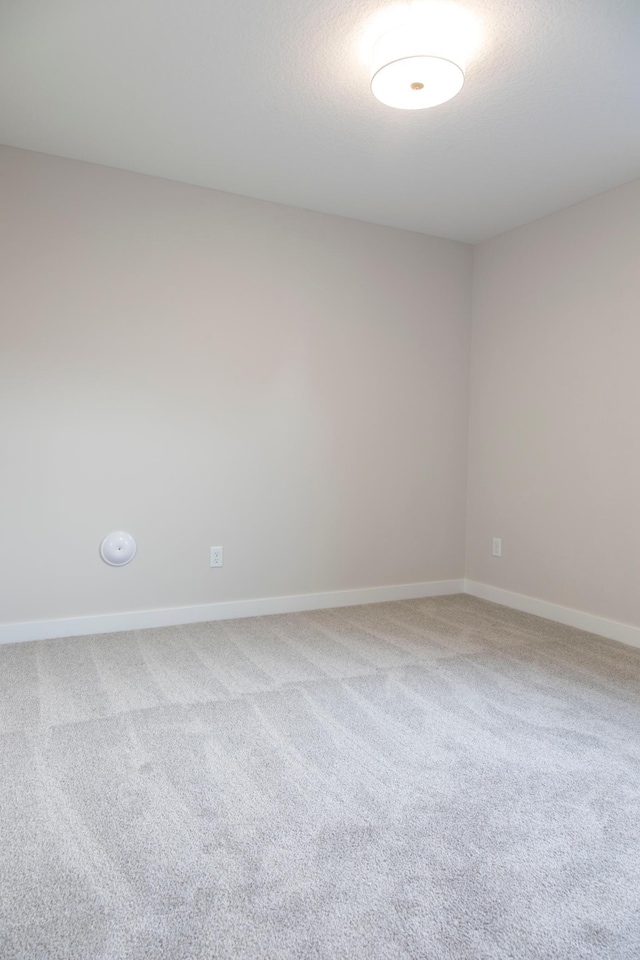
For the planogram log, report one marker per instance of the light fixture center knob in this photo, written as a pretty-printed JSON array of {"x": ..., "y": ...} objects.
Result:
[{"x": 417, "y": 86}]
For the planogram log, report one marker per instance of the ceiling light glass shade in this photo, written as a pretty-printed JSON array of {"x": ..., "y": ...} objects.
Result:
[{"x": 412, "y": 83}]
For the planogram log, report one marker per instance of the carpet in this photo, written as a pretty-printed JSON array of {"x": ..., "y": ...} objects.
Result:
[{"x": 438, "y": 779}]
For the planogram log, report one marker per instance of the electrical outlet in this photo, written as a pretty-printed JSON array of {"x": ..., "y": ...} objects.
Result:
[
  {"x": 216, "y": 557},
  {"x": 496, "y": 549}
]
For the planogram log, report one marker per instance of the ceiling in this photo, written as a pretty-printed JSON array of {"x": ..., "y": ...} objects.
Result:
[{"x": 271, "y": 99}]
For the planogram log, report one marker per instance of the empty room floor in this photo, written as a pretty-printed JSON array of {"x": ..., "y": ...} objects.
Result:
[{"x": 438, "y": 779}]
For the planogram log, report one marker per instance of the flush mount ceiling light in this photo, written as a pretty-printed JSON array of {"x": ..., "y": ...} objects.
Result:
[
  {"x": 416, "y": 82},
  {"x": 420, "y": 61}
]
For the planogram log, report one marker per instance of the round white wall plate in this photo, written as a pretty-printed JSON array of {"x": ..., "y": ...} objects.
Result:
[{"x": 118, "y": 548}]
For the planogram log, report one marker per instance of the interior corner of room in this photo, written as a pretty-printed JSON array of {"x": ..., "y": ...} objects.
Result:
[
  {"x": 355, "y": 411},
  {"x": 319, "y": 480}
]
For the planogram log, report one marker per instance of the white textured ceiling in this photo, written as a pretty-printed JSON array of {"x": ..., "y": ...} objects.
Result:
[{"x": 271, "y": 99}]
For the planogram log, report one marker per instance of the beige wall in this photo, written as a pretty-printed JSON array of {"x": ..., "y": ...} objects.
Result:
[
  {"x": 555, "y": 408},
  {"x": 201, "y": 369}
]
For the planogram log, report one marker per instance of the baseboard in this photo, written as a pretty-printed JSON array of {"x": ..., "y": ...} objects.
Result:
[
  {"x": 622, "y": 632},
  {"x": 230, "y": 610},
  {"x": 173, "y": 616}
]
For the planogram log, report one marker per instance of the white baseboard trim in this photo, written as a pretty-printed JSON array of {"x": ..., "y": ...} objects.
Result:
[
  {"x": 233, "y": 609},
  {"x": 173, "y": 616},
  {"x": 622, "y": 632}
]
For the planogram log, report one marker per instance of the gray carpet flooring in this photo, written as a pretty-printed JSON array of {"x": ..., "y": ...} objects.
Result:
[{"x": 440, "y": 779}]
